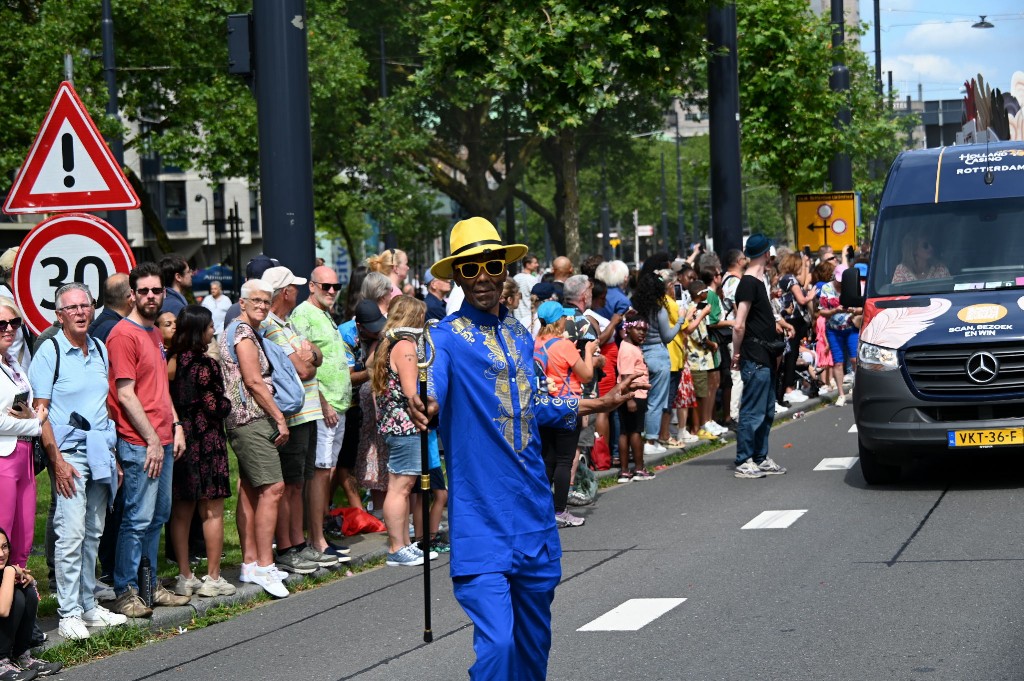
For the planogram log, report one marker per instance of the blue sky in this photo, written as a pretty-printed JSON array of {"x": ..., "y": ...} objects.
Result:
[{"x": 931, "y": 42}]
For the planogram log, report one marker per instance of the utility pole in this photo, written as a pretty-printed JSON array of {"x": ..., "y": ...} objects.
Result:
[
  {"x": 664, "y": 206},
  {"x": 281, "y": 65},
  {"x": 840, "y": 170},
  {"x": 606, "y": 227},
  {"x": 679, "y": 187},
  {"x": 724, "y": 109},
  {"x": 118, "y": 219}
]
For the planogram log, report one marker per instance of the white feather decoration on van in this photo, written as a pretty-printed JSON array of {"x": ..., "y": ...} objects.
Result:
[{"x": 895, "y": 326}]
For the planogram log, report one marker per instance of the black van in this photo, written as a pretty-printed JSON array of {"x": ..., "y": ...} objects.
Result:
[{"x": 941, "y": 357}]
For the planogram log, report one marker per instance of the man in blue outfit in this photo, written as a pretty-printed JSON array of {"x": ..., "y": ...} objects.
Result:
[{"x": 505, "y": 550}]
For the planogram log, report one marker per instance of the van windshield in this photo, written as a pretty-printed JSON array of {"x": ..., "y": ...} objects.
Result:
[{"x": 945, "y": 247}]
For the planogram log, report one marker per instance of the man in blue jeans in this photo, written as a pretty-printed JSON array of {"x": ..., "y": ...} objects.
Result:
[
  {"x": 756, "y": 328},
  {"x": 149, "y": 438}
]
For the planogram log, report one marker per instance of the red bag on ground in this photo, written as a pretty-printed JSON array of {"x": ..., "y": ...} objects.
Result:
[
  {"x": 357, "y": 521},
  {"x": 600, "y": 455}
]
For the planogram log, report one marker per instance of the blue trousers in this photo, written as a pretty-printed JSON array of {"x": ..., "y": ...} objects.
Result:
[
  {"x": 659, "y": 368},
  {"x": 511, "y": 614},
  {"x": 757, "y": 411}
]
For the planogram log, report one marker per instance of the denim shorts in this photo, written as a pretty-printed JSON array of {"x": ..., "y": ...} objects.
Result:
[{"x": 404, "y": 456}]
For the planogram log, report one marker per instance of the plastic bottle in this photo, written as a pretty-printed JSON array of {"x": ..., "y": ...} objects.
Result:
[{"x": 146, "y": 582}]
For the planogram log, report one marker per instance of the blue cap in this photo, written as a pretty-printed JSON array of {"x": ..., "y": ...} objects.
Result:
[
  {"x": 757, "y": 245},
  {"x": 550, "y": 312},
  {"x": 862, "y": 268}
]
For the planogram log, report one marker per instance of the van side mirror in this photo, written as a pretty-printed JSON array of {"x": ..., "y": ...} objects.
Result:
[{"x": 849, "y": 291}]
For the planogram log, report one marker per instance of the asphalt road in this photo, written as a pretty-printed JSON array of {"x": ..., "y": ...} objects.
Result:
[{"x": 916, "y": 581}]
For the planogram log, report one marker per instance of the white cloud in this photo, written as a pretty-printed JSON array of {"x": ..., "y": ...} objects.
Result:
[{"x": 951, "y": 36}]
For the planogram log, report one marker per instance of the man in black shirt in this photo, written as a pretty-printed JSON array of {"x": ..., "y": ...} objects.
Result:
[{"x": 754, "y": 333}]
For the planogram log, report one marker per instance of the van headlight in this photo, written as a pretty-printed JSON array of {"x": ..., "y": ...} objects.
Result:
[{"x": 875, "y": 358}]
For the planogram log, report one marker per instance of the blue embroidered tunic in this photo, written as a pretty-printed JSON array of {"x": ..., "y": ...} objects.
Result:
[{"x": 499, "y": 495}]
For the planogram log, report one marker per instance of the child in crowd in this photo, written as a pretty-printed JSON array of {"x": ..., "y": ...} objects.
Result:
[
  {"x": 631, "y": 414},
  {"x": 19, "y": 601},
  {"x": 700, "y": 353},
  {"x": 395, "y": 381}
]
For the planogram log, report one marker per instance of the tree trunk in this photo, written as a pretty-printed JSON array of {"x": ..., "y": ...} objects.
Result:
[
  {"x": 571, "y": 194},
  {"x": 787, "y": 217}
]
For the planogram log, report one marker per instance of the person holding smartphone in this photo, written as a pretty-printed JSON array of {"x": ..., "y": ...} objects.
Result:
[{"x": 18, "y": 425}]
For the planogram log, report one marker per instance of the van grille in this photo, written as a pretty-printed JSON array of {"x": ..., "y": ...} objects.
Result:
[{"x": 942, "y": 371}]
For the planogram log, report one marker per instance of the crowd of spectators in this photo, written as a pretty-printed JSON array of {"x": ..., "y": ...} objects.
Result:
[{"x": 132, "y": 410}]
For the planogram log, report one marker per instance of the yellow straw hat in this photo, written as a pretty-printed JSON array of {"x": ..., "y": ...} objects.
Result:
[{"x": 472, "y": 237}]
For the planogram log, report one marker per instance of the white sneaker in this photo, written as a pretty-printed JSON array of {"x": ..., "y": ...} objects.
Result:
[
  {"x": 247, "y": 572},
  {"x": 266, "y": 577},
  {"x": 185, "y": 586},
  {"x": 795, "y": 397},
  {"x": 654, "y": 448},
  {"x": 72, "y": 629},
  {"x": 686, "y": 437},
  {"x": 215, "y": 587},
  {"x": 714, "y": 428},
  {"x": 779, "y": 408},
  {"x": 101, "y": 617},
  {"x": 841, "y": 401}
]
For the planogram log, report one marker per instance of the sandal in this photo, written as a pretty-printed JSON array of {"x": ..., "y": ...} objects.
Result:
[{"x": 673, "y": 443}]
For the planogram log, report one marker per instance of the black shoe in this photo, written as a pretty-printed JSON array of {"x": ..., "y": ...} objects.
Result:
[
  {"x": 40, "y": 667},
  {"x": 9, "y": 672}
]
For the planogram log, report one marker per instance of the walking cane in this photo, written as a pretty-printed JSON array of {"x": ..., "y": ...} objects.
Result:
[
  {"x": 421, "y": 337},
  {"x": 425, "y": 359}
]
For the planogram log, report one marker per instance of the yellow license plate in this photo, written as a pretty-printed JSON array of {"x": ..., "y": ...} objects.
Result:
[{"x": 989, "y": 437}]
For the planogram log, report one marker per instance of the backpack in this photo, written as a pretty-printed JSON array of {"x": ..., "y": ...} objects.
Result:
[
  {"x": 289, "y": 393},
  {"x": 540, "y": 368}
]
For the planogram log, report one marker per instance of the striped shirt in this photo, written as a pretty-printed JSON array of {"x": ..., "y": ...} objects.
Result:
[{"x": 280, "y": 331}]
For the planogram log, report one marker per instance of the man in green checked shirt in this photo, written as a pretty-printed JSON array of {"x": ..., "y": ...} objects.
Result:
[{"x": 312, "y": 320}]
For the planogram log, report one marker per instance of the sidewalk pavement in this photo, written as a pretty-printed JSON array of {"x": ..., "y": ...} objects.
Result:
[{"x": 365, "y": 548}]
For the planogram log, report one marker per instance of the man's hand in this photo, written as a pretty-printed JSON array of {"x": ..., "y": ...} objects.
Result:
[
  {"x": 154, "y": 459},
  {"x": 785, "y": 328},
  {"x": 305, "y": 352},
  {"x": 330, "y": 415},
  {"x": 120, "y": 475},
  {"x": 64, "y": 475},
  {"x": 420, "y": 413},
  {"x": 619, "y": 395}
]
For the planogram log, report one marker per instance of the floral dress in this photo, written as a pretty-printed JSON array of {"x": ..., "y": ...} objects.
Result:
[{"x": 198, "y": 395}]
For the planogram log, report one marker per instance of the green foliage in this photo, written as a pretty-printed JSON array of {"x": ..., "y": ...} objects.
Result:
[{"x": 788, "y": 109}]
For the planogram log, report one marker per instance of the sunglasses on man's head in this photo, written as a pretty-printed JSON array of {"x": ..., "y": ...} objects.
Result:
[
  {"x": 13, "y": 324},
  {"x": 471, "y": 270}
]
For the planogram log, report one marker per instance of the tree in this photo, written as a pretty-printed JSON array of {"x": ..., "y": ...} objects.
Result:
[
  {"x": 788, "y": 110},
  {"x": 501, "y": 82}
]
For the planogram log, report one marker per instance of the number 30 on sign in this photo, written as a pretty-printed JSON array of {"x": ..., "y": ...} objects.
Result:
[{"x": 64, "y": 249}]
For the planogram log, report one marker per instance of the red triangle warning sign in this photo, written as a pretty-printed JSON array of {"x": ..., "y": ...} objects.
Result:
[{"x": 69, "y": 167}]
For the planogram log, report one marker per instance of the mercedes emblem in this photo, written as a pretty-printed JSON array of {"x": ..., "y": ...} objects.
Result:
[{"x": 982, "y": 367}]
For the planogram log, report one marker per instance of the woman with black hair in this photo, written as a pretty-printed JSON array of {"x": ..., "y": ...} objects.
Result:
[
  {"x": 201, "y": 474},
  {"x": 18, "y": 604},
  {"x": 650, "y": 301}
]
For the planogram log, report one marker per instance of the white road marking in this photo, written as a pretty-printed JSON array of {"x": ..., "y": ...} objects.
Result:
[
  {"x": 633, "y": 615},
  {"x": 774, "y": 520},
  {"x": 853, "y": 429},
  {"x": 838, "y": 463}
]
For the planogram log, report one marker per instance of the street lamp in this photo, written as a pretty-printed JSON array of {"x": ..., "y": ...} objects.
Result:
[
  {"x": 206, "y": 211},
  {"x": 983, "y": 23}
]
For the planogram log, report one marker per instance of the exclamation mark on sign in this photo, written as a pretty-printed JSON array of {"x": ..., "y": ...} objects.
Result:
[{"x": 67, "y": 147}]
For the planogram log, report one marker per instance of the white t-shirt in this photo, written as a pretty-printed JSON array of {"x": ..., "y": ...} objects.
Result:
[{"x": 218, "y": 307}]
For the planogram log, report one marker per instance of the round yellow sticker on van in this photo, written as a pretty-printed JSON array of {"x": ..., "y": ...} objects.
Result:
[{"x": 981, "y": 314}]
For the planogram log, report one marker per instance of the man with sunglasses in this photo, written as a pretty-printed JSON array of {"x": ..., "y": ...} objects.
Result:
[
  {"x": 505, "y": 550},
  {"x": 312, "y": 320},
  {"x": 149, "y": 438}
]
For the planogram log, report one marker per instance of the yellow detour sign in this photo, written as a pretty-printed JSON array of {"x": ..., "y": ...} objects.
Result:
[{"x": 827, "y": 219}]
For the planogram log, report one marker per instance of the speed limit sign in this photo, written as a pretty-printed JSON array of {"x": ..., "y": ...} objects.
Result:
[{"x": 64, "y": 249}]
